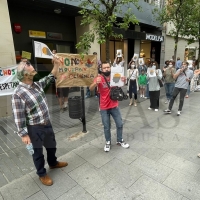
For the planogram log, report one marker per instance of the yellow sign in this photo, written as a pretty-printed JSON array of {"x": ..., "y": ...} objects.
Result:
[
  {"x": 37, "y": 34},
  {"x": 26, "y": 54}
]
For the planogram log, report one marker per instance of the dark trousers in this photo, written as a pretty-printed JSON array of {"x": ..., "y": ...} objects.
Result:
[
  {"x": 43, "y": 136},
  {"x": 176, "y": 91},
  {"x": 154, "y": 99},
  {"x": 133, "y": 89}
]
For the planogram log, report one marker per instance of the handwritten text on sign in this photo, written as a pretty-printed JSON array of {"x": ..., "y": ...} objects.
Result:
[{"x": 75, "y": 71}]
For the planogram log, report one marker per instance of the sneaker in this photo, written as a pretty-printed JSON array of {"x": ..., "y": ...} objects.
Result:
[
  {"x": 167, "y": 111},
  {"x": 123, "y": 144},
  {"x": 140, "y": 96},
  {"x": 107, "y": 146},
  {"x": 167, "y": 101},
  {"x": 149, "y": 108},
  {"x": 186, "y": 96},
  {"x": 156, "y": 110},
  {"x": 178, "y": 113}
]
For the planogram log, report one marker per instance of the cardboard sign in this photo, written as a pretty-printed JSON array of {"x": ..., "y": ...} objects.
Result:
[
  {"x": 75, "y": 71},
  {"x": 117, "y": 73},
  {"x": 135, "y": 57}
]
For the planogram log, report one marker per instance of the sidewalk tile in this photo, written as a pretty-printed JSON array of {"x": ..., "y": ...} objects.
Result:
[
  {"x": 151, "y": 168},
  {"x": 118, "y": 171},
  {"x": 183, "y": 184},
  {"x": 38, "y": 196},
  {"x": 73, "y": 161},
  {"x": 76, "y": 193},
  {"x": 88, "y": 177},
  {"x": 149, "y": 189},
  {"x": 114, "y": 191},
  {"x": 179, "y": 164},
  {"x": 94, "y": 155},
  {"x": 61, "y": 184},
  {"x": 19, "y": 189}
]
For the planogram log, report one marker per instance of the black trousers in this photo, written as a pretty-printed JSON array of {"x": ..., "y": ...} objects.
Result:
[
  {"x": 133, "y": 89},
  {"x": 154, "y": 99},
  {"x": 176, "y": 91},
  {"x": 43, "y": 135}
]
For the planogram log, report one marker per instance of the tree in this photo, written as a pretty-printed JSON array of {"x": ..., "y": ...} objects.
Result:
[
  {"x": 176, "y": 12},
  {"x": 192, "y": 29},
  {"x": 103, "y": 14}
]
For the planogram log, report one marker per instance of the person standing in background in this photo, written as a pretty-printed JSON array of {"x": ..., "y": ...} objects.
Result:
[{"x": 178, "y": 63}]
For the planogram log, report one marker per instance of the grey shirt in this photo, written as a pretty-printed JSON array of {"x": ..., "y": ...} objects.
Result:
[
  {"x": 153, "y": 79},
  {"x": 181, "y": 80}
]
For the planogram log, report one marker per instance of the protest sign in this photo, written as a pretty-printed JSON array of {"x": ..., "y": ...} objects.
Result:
[
  {"x": 75, "y": 71},
  {"x": 119, "y": 53},
  {"x": 117, "y": 73},
  {"x": 8, "y": 80},
  {"x": 141, "y": 61},
  {"x": 42, "y": 50},
  {"x": 135, "y": 57}
]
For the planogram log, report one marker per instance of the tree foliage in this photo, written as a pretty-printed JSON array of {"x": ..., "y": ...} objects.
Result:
[
  {"x": 178, "y": 14},
  {"x": 103, "y": 15}
]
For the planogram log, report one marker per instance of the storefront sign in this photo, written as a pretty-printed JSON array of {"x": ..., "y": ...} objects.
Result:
[
  {"x": 37, "y": 34},
  {"x": 157, "y": 38},
  {"x": 55, "y": 36},
  {"x": 8, "y": 80}
]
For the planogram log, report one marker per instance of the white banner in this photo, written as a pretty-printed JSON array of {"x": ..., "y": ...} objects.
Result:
[
  {"x": 42, "y": 50},
  {"x": 117, "y": 73},
  {"x": 8, "y": 80}
]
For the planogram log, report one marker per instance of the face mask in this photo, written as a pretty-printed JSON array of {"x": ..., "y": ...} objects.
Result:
[
  {"x": 170, "y": 65},
  {"x": 133, "y": 66},
  {"x": 36, "y": 77},
  {"x": 106, "y": 73}
]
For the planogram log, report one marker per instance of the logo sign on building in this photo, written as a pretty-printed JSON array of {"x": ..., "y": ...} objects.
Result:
[
  {"x": 8, "y": 80},
  {"x": 75, "y": 71},
  {"x": 55, "y": 36},
  {"x": 37, "y": 34},
  {"x": 158, "y": 38}
]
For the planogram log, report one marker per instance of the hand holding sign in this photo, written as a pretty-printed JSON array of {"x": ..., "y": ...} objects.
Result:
[{"x": 98, "y": 80}]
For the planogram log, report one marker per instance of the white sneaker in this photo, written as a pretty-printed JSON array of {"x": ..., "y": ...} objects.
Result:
[
  {"x": 167, "y": 111},
  {"x": 156, "y": 110},
  {"x": 167, "y": 101},
  {"x": 140, "y": 96},
  {"x": 178, "y": 113},
  {"x": 123, "y": 144},
  {"x": 107, "y": 146},
  {"x": 149, "y": 108}
]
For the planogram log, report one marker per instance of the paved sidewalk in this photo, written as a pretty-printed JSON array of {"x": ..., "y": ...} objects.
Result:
[{"x": 161, "y": 163}]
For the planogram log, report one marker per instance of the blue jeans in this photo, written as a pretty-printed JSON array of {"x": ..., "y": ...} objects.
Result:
[
  {"x": 88, "y": 92},
  {"x": 105, "y": 116},
  {"x": 188, "y": 90},
  {"x": 169, "y": 87}
]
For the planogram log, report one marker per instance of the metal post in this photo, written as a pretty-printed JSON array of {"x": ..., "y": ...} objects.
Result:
[{"x": 83, "y": 107}]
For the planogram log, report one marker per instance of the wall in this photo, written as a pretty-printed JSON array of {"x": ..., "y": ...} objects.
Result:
[
  {"x": 40, "y": 21},
  {"x": 7, "y": 55},
  {"x": 182, "y": 44}
]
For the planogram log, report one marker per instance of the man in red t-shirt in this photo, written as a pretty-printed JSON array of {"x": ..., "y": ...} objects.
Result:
[{"x": 108, "y": 107}]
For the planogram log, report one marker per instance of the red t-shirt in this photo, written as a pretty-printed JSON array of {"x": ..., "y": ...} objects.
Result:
[{"x": 105, "y": 101}]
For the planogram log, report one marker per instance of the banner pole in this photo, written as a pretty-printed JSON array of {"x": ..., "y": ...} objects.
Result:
[{"x": 83, "y": 107}]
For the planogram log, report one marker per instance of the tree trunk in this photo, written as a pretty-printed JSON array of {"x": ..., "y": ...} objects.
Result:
[
  {"x": 198, "y": 61},
  {"x": 107, "y": 50},
  {"x": 175, "y": 47}
]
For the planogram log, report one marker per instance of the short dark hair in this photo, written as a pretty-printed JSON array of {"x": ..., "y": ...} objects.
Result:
[
  {"x": 94, "y": 53},
  {"x": 105, "y": 62}
]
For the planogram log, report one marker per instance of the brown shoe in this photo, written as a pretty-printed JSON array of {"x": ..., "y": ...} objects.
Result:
[
  {"x": 59, "y": 165},
  {"x": 46, "y": 180}
]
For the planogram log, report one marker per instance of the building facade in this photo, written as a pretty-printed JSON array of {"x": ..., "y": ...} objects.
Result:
[{"x": 57, "y": 24}]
